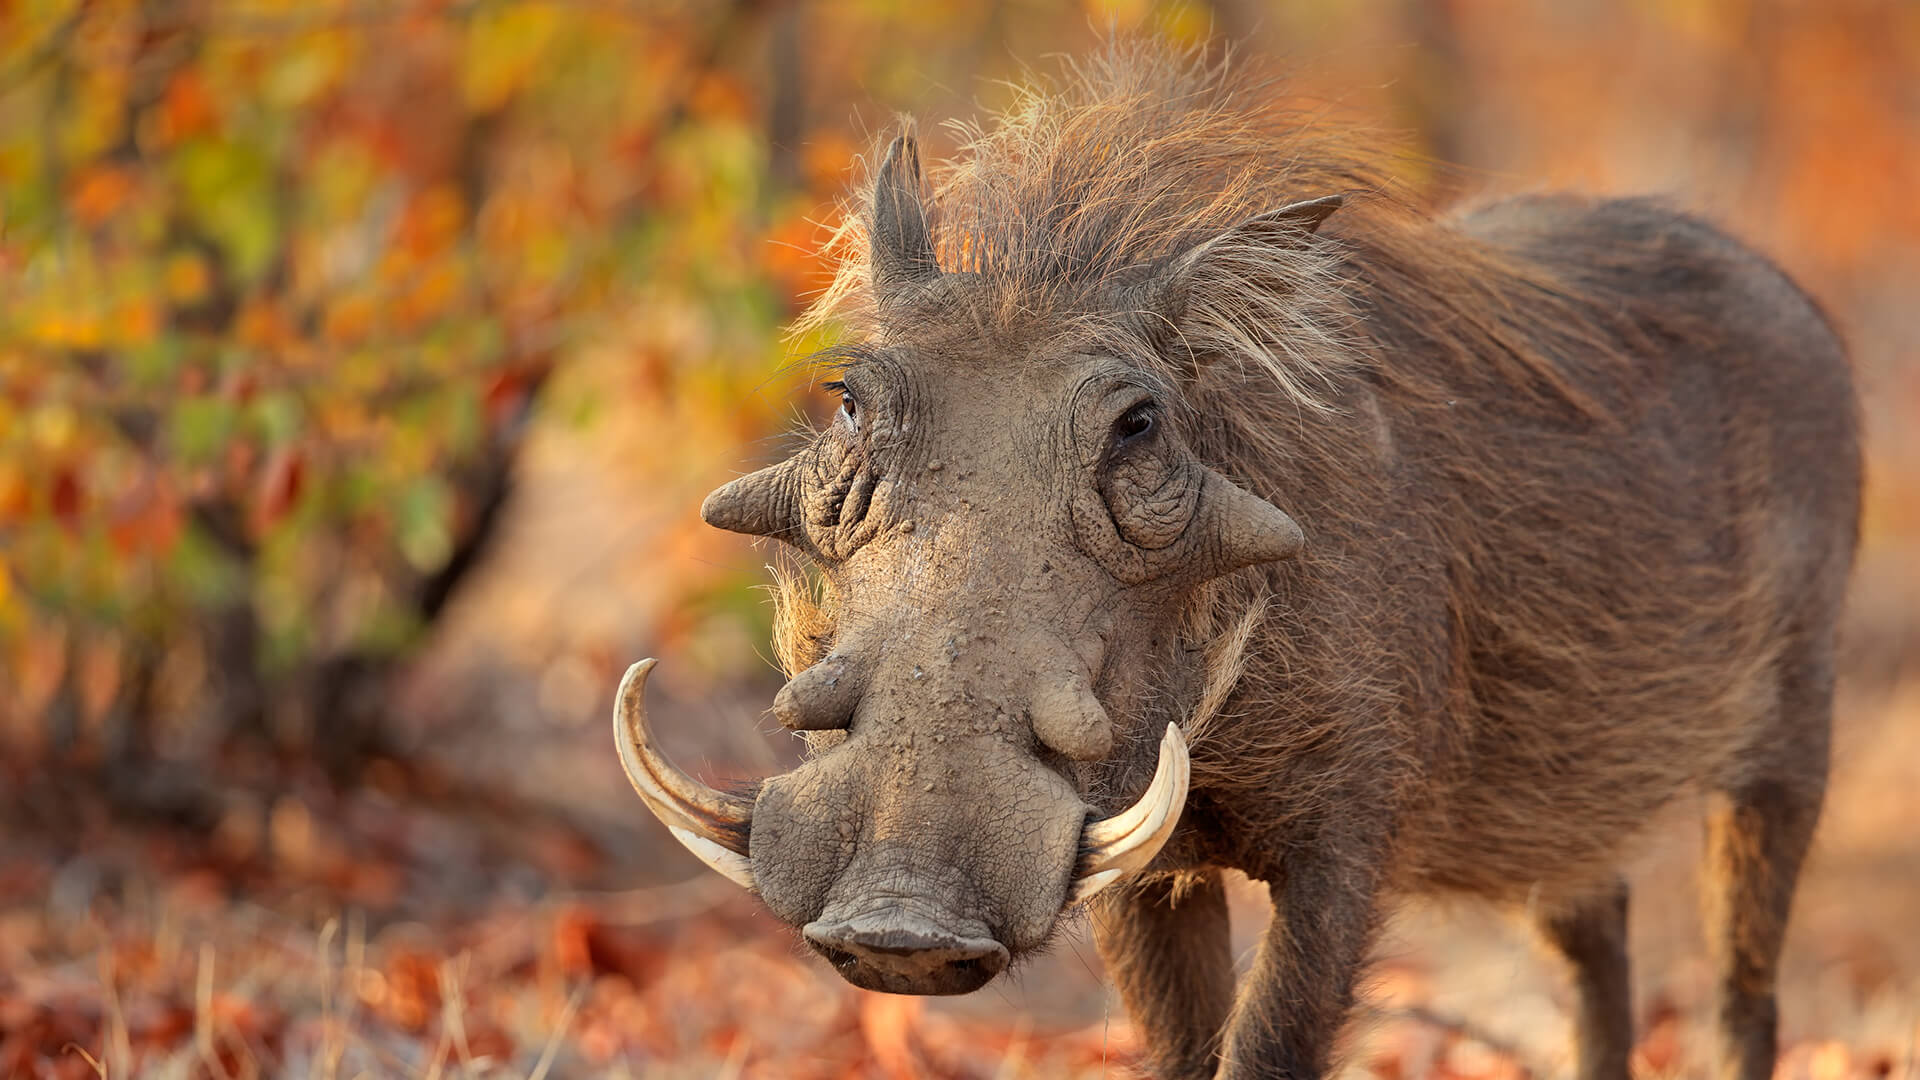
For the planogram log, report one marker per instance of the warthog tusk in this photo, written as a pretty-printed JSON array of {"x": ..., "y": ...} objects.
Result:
[
  {"x": 1125, "y": 843},
  {"x": 711, "y": 824}
]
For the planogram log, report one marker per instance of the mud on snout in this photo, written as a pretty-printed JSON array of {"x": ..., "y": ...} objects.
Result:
[{"x": 918, "y": 869}]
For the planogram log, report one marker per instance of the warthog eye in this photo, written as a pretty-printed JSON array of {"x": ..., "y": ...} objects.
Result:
[
  {"x": 1135, "y": 424},
  {"x": 849, "y": 405}
]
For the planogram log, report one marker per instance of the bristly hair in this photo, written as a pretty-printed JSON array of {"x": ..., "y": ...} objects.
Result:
[{"x": 1087, "y": 187}]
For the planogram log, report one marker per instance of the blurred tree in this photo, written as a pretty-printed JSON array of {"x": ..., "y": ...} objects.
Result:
[{"x": 283, "y": 283}]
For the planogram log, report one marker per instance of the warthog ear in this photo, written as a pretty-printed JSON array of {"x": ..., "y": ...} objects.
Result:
[
  {"x": 1164, "y": 299},
  {"x": 899, "y": 241},
  {"x": 1231, "y": 528},
  {"x": 1243, "y": 528}
]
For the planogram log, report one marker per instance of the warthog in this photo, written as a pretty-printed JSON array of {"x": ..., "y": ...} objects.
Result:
[{"x": 1450, "y": 548}]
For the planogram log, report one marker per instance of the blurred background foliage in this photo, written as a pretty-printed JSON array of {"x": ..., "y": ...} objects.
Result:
[{"x": 362, "y": 364}]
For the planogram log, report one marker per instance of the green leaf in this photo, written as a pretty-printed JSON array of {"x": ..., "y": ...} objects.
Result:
[
  {"x": 463, "y": 427},
  {"x": 425, "y": 523},
  {"x": 201, "y": 427},
  {"x": 277, "y": 415},
  {"x": 152, "y": 365},
  {"x": 229, "y": 191},
  {"x": 389, "y": 628},
  {"x": 206, "y": 573}
]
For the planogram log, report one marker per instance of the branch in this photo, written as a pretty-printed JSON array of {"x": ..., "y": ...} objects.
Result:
[
  {"x": 491, "y": 489},
  {"x": 218, "y": 516},
  {"x": 221, "y": 520}
]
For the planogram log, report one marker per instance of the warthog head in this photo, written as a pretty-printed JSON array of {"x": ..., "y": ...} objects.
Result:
[{"x": 1009, "y": 544}]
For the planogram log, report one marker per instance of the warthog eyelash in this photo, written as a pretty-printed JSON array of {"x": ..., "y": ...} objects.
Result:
[
  {"x": 849, "y": 403},
  {"x": 1136, "y": 423}
]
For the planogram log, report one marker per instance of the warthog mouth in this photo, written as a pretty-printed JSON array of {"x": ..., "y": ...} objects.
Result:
[
  {"x": 897, "y": 946},
  {"x": 898, "y": 953}
]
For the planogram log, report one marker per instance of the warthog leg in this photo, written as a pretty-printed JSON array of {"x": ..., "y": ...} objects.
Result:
[
  {"x": 1755, "y": 840},
  {"x": 1296, "y": 998},
  {"x": 1165, "y": 942},
  {"x": 1757, "y": 834},
  {"x": 1591, "y": 934}
]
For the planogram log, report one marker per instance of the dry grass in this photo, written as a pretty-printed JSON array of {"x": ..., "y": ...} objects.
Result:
[
  {"x": 382, "y": 937},
  {"x": 681, "y": 981}
]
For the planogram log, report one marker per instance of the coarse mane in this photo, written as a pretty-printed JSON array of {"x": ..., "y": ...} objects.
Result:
[
  {"x": 1053, "y": 210},
  {"x": 1086, "y": 186},
  {"x": 1091, "y": 183}
]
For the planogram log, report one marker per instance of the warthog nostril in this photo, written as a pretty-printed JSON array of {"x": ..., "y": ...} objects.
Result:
[{"x": 907, "y": 959}]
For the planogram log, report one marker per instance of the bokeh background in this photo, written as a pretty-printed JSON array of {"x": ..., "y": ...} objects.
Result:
[{"x": 363, "y": 364}]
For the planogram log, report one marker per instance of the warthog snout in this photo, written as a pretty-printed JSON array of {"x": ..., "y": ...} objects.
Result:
[
  {"x": 893, "y": 875},
  {"x": 901, "y": 954}
]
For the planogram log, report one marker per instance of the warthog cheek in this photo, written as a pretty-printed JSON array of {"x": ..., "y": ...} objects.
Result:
[{"x": 1151, "y": 501}]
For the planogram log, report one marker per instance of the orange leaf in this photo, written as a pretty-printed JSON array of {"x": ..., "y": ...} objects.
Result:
[
  {"x": 571, "y": 948},
  {"x": 99, "y": 191},
  {"x": 432, "y": 222},
  {"x": 263, "y": 325},
  {"x": 15, "y": 495},
  {"x": 349, "y": 319},
  {"x": 65, "y": 500},
  {"x": 187, "y": 108},
  {"x": 187, "y": 278},
  {"x": 278, "y": 491},
  {"x": 504, "y": 394},
  {"x": 148, "y": 518}
]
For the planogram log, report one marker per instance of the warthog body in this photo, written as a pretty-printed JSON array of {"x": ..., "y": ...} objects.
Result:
[{"x": 1576, "y": 484}]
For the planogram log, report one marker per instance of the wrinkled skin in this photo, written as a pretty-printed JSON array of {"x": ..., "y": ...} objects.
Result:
[{"x": 947, "y": 819}]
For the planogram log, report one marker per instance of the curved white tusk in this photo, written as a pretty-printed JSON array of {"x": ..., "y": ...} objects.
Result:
[
  {"x": 711, "y": 824},
  {"x": 1085, "y": 887},
  {"x": 1125, "y": 843},
  {"x": 732, "y": 866}
]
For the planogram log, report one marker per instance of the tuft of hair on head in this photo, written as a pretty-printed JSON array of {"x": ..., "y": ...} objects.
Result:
[{"x": 1057, "y": 210}]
